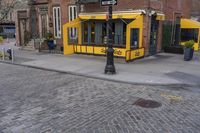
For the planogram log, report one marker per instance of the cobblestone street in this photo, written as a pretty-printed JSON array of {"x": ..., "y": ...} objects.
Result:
[{"x": 39, "y": 101}]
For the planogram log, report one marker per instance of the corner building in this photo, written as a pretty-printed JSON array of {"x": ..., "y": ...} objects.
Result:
[{"x": 137, "y": 26}]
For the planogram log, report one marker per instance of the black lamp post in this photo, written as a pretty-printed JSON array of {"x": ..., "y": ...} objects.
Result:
[{"x": 110, "y": 67}]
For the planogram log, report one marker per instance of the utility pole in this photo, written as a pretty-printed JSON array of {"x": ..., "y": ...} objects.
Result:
[{"x": 110, "y": 67}]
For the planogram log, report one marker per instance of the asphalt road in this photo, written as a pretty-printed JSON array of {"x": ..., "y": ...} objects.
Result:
[{"x": 38, "y": 101}]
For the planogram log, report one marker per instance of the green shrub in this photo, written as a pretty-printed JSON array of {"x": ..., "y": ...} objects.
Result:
[
  {"x": 49, "y": 36},
  {"x": 1, "y": 39},
  {"x": 189, "y": 44}
]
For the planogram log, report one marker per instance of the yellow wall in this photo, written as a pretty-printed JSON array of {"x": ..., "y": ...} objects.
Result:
[
  {"x": 120, "y": 52},
  {"x": 68, "y": 48},
  {"x": 137, "y": 23},
  {"x": 191, "y": 24},
  {"x": 134, "y": 54}
]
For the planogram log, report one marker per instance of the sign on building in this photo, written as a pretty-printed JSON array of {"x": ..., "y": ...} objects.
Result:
[{"x": 108, "y": 2}]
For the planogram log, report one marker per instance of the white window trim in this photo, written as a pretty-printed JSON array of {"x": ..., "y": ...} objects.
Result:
[
  {"x": 71, "y": 18},
  {"x": 57, "y": 24}
]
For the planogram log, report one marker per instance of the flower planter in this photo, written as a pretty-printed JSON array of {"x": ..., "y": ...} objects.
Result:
[
  {"x": 188, "y": 54},
  {"x": 50, "y": 44}
]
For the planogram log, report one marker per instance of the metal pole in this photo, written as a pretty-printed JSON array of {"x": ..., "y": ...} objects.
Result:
[
  {"x": 110, "y": 68},
  {"x": 3, "y": 54},
  {"x": 12, "y": 54}
]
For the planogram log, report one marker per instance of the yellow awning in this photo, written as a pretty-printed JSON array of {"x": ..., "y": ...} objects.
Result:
[
  {"x": 189, "y": 23},
  {"x": 160, "y": 16},
  {"x": 103, "y": 15},
  {"x": 116, "y": 15}
]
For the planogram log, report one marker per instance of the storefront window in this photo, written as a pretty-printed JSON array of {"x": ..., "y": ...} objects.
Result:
[
  {"x": 189, "y": 34},
  {"x": 85, "y": 32},
  {"x": 104, "y": 25},
  {"x": 93, "y": 32},
  {"x": 124, "y": 33},
  {"x": 113, "y": 33},
  {"x": 135, "y": 38}
]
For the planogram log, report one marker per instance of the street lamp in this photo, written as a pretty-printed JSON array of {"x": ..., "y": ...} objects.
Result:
[{"x": 110, "y": 67}]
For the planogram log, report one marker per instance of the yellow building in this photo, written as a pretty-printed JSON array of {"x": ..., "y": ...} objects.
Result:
[
  {"x": 90, "y": 34},
  {"x": 190, "y": 31}
]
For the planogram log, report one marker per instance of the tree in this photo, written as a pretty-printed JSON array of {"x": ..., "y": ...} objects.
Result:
[{"x": 8, "y": 6}]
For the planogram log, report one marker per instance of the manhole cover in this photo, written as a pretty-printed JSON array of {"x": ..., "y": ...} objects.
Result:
[{"x": 147, "y": 103}]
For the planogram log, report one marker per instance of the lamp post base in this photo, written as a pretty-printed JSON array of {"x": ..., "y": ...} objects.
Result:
[{"x": 110, "y": 67}]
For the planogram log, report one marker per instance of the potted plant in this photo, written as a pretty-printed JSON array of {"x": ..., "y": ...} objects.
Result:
[
  {"x": 188, "y": 50},
  {"x": 50, "y": 41},
  {"x": 1, "y": 39}
]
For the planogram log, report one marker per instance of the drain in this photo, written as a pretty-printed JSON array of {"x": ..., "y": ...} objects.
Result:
[{"x": 147, "y": 103}]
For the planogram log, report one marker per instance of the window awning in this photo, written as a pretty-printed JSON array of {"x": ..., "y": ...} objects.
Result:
[
  {"x": 189, "y": 23},
  {"x": 117, "y": 15}
]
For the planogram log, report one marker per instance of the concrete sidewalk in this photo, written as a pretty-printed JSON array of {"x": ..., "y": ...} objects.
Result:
[{"x": 160, "y": 69}]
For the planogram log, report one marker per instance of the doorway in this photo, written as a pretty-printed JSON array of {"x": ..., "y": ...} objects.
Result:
[{"x": 153, "y": 35}]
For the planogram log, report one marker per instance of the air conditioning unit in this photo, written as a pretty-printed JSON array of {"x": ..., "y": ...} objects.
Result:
[{"x": 88, "y": 1}]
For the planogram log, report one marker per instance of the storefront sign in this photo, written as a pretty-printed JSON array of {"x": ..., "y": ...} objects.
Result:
[
  {"x": 137, "y": 53},
  {"x": 116, "y": 52},
  {"x": 108, "y": 2}
]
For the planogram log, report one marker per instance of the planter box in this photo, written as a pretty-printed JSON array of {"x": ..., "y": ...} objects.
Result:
[{"x": 188, "y": 54}]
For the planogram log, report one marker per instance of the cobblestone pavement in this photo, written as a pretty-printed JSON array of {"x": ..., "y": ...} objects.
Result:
[{"x": 39, "y": 101}]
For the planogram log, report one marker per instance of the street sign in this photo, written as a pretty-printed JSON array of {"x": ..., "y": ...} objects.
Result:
[{"x": 108, "y": 2}]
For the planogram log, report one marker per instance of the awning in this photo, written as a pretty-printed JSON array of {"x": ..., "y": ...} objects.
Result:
[
  {"x": 117, "y": 15},
  {"x": 189, "y": 23},
  {"x": 103, "y": 15},
  {"x": 160, "y": 16}
]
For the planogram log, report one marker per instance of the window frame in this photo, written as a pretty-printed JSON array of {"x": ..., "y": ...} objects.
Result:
[
  {"x": 72, "y": 15},
  {"x": 57, "y": 21},
  {"x": 193, "y": 33}
]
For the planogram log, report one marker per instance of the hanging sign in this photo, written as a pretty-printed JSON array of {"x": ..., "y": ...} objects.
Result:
[{"x": 108, "y": 2}]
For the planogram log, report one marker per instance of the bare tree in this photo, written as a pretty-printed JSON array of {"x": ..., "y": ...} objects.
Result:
[{"x": 7, "y": 6}]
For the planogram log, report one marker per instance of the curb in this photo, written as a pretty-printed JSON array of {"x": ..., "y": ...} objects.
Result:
[{"x": 95, "y": 77}]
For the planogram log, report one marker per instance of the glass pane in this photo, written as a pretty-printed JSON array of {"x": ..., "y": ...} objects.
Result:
[
  {"x": 55, "y": 22},
  {"x": 93, "y": 32},
  {"x": 113, "y": 33},
  {"x": 74, "y": 12},
  {"x": 70, "y": 14},
  {"x": 189, "y": 34},
  {"x": 124, "y": 33},
  {"x": 135, "y": 38},
  {"x": 85, "y": 31},
  {"x": 59, "y": 25},
  {"x": 104, "y": 25}
]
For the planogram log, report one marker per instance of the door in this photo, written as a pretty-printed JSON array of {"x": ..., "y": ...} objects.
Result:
[{"x": 153, "y": 36}]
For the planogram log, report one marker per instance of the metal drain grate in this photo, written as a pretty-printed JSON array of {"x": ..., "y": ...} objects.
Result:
[{"x": 147, "y": 103}]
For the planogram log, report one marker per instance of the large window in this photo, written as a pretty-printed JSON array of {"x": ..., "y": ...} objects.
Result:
[
  {"x": 135, "y": 38},
  {"x": 94, "y": 32},
  {"x": 72, "y": 15},
  {"x": 189, "y": 34},
  {"x": 104, "y": 31},
  {"x": 57, "y": 22},
  {"x": 85, "y": 32}
]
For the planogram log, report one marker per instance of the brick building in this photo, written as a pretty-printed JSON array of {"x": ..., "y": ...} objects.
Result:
[
  {"x": 149, "y": 35},
  {"x": 195, "y": 10},
  {"x": 40, "y": 18}
]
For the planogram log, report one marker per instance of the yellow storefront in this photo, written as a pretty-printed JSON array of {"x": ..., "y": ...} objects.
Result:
[
  {"x": 86, "y": 34},
  {"x": 190, "y": 30}
]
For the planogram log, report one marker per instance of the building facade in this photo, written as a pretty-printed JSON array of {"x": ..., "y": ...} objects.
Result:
[
  {"x": 137, "y": 26},
  {"x": 40, "y": 18}
]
